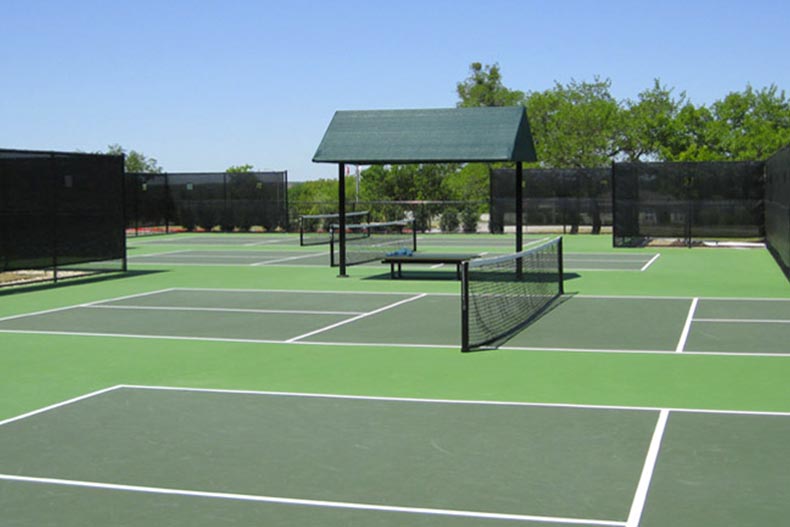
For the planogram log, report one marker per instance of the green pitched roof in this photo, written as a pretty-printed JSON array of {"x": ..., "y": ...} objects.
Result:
[{"x": 427, "y": 136}]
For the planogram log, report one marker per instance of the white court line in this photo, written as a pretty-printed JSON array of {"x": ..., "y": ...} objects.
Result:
[
  {"x": 58, "y": 405},
  {"x": 267, "y": 242},
  {"x": 383, "y": 344},
  {"x": 279, "y": 260},
  {"x": 75, "y": 306},
  {"x": 687, "y": 326},
  {"x": 477, "y": 402},
  {"x": 227, "y": 310},
  {"x": 638, "y": 504},
  {"x": 743, "y": 320},
  {"x": 437, "y": 266},
  {"x": 135, "y": 256},
  {"x": 648, "y": 264},
  {"x": 309, "y": 502},
  {"x": 358, "y": 317}
]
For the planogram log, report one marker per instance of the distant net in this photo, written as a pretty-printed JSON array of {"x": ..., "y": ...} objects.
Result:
[
  {"x": 368, "y": 242},
  {"x": 315, "y": 229},
  {"x": 502, "y": 295}
]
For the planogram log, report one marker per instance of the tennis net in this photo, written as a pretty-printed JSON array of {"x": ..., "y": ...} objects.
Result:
[
  {"x": 501, "y": 295},
  {"x": 315, "y": 229},
  {"x": 367, "y": 242}
]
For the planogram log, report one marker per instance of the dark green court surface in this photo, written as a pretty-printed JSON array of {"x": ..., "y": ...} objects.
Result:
[
  {"x": 574, "y": 323},
  {"x": 149, "y": 454}
]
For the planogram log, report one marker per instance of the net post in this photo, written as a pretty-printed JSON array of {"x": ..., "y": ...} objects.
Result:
[
  {"x": 301, "y": 231},
  {"x": 561, "y": 269},
  {"x": 465, "y": 307},
  {"x": 331, "y": 247},
  {"x": 519, "y": 217},
  {"x": 413, "y": 235}
]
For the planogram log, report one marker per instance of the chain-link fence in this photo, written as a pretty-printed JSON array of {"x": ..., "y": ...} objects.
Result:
[
  {"x": 560, "y": 198},
  {"x": 251, "y": 201},
  {"x": 687, "y": 202},
  {"x": 62, "y": 213},
  {"x": 777, "y": 207}
]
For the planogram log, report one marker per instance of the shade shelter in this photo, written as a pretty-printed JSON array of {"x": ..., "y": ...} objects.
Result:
[{"x": 446, "y": 135}]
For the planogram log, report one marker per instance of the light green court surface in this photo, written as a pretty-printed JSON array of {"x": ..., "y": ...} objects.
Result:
[{"x": 681, "y": 368}]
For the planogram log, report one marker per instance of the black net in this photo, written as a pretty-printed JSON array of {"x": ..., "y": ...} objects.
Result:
[
  {"x": 315, "y": 229},
  {"x": 686, "y": 202},
  {"x": 373, "y": 241},
  {"x": 502, "y": 295},
  {"x": 777, "y": 207},
  {"x": 252, "y": 201},
  {"x": 570, "y": 198},
  {"x": 63, "y": 212}
]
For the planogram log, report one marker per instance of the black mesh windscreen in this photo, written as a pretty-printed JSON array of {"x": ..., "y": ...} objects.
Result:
[
  {"x": 60, "y": 210},
  {"x": 687, "y": 201},
  {"x": 777, "y": 207},
  {"x": 567, "y": 197},
  {"x": 208, "y": 201}
]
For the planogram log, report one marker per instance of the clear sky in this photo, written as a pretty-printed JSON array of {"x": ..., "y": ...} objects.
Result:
[{"x": 203, "y": 85}]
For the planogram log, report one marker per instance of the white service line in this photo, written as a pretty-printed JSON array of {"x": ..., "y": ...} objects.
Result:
[
  {"x": 267, "y": 262},
  {"x": 227, "y": 310},
  {"x": 59, "y": 405},
  {"x": 358, "y": 317},
  {"x": 638, "y": 504},
  {"x": 743, "y": 320},
  {"x": 75, "y": 306},
  {"x": 309, "y": 502},
  {"x": 687, "y": 326},
  {"x": 650, "y": 262}
]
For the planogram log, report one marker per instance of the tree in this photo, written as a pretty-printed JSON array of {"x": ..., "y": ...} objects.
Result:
[
  {"x": 239, "y": 169},
  {"x": 649, "y": 123},
  {"x": 135, "y": 161},
  {"x": 575, "y": 125},
  {"x": 484, "y": 87}
]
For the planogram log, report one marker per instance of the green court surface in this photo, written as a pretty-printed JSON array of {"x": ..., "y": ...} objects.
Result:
[{"x": 236, "y": 380}]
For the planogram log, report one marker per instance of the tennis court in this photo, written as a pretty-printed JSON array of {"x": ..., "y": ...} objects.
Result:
[
  {"x": 241, "y": 385},
  {"x": 576, "y": 323},
  {"x": 319, "y": 256},
  {"x": 163, "y": 455}
]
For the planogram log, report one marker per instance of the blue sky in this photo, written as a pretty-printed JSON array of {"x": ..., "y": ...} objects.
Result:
[{"x": 203, "y": 85}]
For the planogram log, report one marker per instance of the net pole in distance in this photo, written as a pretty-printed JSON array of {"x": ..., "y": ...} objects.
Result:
[
  {"x": 519, "y": 216},
  {"x": 413, "y": 235},
  {"x": 465, "y": 307},
  {"x": 561, "y": 268}
]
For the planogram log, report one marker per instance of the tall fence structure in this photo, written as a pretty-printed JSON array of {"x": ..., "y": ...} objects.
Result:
[
  {"x": 777, "y": 207},
  {"x": 566, "y": 197},
  {"x": 687, "y": 202},
  {"x": 61, "y": 212},
  {"x": 188, "y": 201}
]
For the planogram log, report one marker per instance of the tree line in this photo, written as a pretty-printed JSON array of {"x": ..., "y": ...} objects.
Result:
[{"x": 578, "y": 124}]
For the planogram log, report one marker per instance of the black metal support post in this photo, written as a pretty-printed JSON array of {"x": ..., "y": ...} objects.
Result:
[{"x": 341, "y": 175}]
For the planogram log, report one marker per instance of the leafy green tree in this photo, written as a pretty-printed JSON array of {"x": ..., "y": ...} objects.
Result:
[
  {"x": 751, "y": 124},
  {"x": 575, "y": 125},
  {"x": 484, "y": 87},
  {"x": 648, "y": 124},
  {"x": 135, "y": 161},
  {"x": 239, "y": 169}
]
